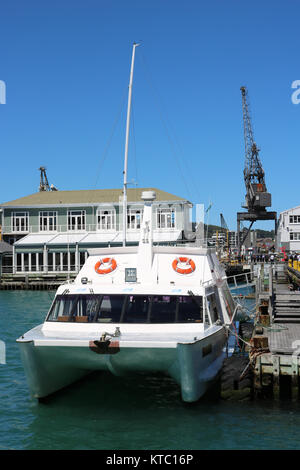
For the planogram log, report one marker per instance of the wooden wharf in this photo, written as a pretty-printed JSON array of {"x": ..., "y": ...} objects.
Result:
[
  {"x": 33, "y": 282},
  {"x": 275, "y": 343}
]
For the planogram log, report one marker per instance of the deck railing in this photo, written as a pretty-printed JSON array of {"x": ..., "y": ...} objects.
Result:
[{"x": 241, "y": 280}]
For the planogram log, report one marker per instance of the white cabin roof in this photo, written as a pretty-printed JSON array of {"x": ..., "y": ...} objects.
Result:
[{"x": 160, "y": 278}]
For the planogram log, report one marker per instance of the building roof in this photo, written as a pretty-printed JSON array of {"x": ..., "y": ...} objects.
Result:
[
  {"x": 290, "y": 210},
  {"x": 5, "y": 247},
  {"x": 91, "y": 196}
]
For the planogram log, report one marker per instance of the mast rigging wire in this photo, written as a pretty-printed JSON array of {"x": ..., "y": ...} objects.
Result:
[{"x": 165, "y": 125}]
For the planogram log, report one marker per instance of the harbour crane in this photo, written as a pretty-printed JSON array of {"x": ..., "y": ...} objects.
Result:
[
  {"x": 44, "y": 185},
  {"x": 257, "y": 198}
]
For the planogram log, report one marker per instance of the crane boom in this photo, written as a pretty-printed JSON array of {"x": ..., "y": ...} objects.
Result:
[
  {"x": 223, "y": 222},
  {"x": 44, "y": 185}
]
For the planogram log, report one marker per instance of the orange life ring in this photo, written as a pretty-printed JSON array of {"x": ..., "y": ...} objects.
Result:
[
  {"x": 190, "y": 269},
  {"x": 112, "y": 266}
]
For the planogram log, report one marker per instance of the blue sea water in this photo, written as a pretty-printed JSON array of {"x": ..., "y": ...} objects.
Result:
[{"x": 106, "y": 412}]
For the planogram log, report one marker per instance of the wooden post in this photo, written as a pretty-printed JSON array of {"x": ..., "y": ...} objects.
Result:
[
  {"x": 294, "y": 378},
  {"x": 256, "y": 291},
  {"x": 270, "y": 281},
  {"x": 264, "y": 320},
  {"x": 276, "y": 377},
  {"x": 257, "y": 374}
]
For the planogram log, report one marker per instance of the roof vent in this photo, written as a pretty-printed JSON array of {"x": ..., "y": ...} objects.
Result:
[{"x": 148, "y": 195}]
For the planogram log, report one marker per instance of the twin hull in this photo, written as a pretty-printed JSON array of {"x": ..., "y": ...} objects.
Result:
[{"x": 193, "y": 365}]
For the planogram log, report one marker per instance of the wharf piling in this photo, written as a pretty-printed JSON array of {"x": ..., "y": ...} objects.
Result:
[{"x": 275, "y": 343}]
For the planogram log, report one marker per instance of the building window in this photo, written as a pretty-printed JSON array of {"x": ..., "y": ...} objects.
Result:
[
  {"x": 165, "y": 218},
  {"x": 76, "y": 220},
  {"x": 106, "y": 220},
  {"x": 294, "y": 235},
  {"x": 294, "y": 219},
  {"x": 48, "y": 221},
  {"x": 19, "y": 222},
  {"x": 134, "y": 218}
]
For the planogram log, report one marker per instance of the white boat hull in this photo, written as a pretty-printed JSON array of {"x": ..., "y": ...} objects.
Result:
[{"x": 51, "y": 364}]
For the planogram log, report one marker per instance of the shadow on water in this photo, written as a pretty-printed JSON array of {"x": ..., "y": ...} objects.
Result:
[
  {"x": 107, "y": 412},
  {"x": 103, "y": 388}
]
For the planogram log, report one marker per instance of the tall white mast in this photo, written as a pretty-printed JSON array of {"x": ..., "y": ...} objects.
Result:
[{"x": 126, "y": 146}]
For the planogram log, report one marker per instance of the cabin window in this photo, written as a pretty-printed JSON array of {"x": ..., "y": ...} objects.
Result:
[
  {"x": 163, "y": 309},
  {"x": 63, "y": 308},
  {"x": 190, "y": 309},
  {"x": 136, "y": 309},
  {"x": 127, "y": 309},
  {"x": 110, "y": 309}
]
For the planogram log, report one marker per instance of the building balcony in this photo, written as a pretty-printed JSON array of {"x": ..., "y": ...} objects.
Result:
[{"x": 87, "y": 228}]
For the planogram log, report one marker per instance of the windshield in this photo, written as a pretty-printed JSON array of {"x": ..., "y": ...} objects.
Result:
[{"x": 127, "y": 308}]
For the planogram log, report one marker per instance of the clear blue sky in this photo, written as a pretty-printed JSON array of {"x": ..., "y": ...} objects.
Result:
[{"x": 66, "y": 67}]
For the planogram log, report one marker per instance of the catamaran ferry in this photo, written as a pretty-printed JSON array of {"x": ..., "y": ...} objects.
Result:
[{"x": 149, "y": 309}]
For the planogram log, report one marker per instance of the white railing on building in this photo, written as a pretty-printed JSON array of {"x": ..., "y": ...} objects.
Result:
[{"x": 77, "y": 228}]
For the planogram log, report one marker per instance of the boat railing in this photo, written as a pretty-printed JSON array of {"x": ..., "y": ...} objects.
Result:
[{"x": 241, "y": 280}]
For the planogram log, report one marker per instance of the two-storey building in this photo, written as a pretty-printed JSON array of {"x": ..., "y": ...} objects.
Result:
[
  {"x": 51, "y": 231},
  {"x": 288, "y": 230}
]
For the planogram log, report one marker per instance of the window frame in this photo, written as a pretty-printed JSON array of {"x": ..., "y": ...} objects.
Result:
[
  {"x": 72, "y": 213},
  {"x": 42, "y": 216},
  {"x": 295, "y": 236},
  {"x": 133, "y": 224},
  {"x": 162, "y": 213},
  {"x": 111, "y": 213},
  {"x": 295, "y": 219},
  {"x": 125, "y": 305},
  {"x": 15, "y": 217}
]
